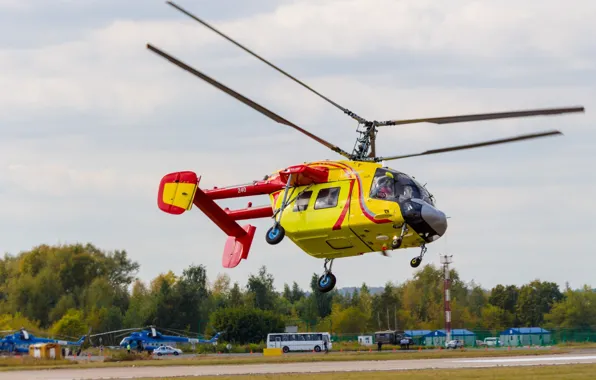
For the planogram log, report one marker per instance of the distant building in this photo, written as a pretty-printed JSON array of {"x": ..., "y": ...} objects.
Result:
[
  {"x": 438, "y": 338},
  {"x": 365, "y": 340},
  {"x": 525, "y": 336},
  {"x": 291, "y": 329}
]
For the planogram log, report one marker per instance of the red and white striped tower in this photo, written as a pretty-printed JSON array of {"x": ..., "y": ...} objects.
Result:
[{"x": 446, "y": 260}]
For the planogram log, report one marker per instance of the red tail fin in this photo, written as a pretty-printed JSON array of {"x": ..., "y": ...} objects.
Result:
[{"x": 239, "y": 238}]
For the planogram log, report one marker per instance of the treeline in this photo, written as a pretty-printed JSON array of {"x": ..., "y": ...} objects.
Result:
[{"x": 65, "y": 290}]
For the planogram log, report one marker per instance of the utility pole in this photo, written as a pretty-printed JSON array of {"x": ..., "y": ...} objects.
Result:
[
  {"x": 388, "y": 321},
  {"x": 446, "y": 260}
]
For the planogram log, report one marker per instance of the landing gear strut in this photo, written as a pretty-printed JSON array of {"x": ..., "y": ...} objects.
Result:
[
  {"x": 415, "y": 262},
  {"x": 276, "y": 233},
  {"x": 327, "y": 281},
  {"x": 396, "y": 243}
]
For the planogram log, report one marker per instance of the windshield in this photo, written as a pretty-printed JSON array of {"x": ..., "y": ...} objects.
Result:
[{"x": 392, "y": 185}]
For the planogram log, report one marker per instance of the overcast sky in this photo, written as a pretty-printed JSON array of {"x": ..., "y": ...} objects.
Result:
[{"x": 91, "y": 120}]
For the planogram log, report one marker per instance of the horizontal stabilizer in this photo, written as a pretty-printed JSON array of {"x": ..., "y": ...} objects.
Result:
[{"x": 176, "y": 192}]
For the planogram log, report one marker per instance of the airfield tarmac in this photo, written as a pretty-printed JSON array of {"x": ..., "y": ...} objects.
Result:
[{"x": 304, "y": 367}]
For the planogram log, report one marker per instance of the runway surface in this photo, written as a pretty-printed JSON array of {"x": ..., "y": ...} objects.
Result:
[{"x": 312, "y": 367}]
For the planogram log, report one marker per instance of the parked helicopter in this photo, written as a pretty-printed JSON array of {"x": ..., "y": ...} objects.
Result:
[
  {"x": 148, "y": 339},
  {"x": 330, "y": 209},
  {"x": 20, "y": 341}
]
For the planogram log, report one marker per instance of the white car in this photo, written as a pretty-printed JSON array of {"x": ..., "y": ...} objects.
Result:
[
  {"x": 456, "y": 343},
  {"x": 167, "y": 350},
  {"x": 492, "y": 341}
]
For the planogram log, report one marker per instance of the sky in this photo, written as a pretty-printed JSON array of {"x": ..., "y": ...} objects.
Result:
[{"x": 91, "y": 120}]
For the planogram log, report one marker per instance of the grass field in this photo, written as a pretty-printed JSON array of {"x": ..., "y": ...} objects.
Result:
[
  {"x": 558, "y": 372},
  {"x": 26, "y": 362}
]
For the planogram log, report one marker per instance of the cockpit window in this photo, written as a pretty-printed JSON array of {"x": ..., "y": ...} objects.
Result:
[
  {"x": 392, "y": 185},
  {"x": 383, "y": 185}
]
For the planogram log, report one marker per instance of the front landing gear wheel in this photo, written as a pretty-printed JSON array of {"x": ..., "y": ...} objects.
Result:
[
  {"x": 275, "y": 234},
  {"x": 326, "y": 282},
  {"x": 415, "y": 262}
]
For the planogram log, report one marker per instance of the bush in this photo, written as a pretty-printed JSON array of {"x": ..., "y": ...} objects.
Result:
[
  {"x": 244, "y": 325},
  {"x": 124, "y": 356}
]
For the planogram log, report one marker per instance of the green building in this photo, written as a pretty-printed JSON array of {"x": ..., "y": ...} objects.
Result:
[{"x": 525, "y": 336}]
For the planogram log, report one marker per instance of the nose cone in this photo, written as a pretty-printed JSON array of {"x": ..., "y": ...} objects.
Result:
[{"x": 436, "y": 219}]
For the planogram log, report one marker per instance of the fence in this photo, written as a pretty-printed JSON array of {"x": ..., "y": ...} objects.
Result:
[{"x": 553, "y": 336}]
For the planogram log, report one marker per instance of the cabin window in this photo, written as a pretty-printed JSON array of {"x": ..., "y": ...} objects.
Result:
[
  {"x": 302, "y": 201},
  {"x": 327, "y": 198}
]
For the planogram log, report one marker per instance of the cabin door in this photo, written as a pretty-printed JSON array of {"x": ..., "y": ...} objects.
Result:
[{"x": 323, "y": 214}]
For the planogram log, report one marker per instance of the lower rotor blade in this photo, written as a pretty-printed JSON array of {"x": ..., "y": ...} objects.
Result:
[
  {"x": 484, "y": 116},
  {"x": 471, "y": 146},
  {"x": 245, "y": 100}
]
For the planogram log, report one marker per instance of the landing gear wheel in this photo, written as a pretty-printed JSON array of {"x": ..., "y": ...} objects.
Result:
[
  {"x": 415, "y": 262},
  {"x": 275, "y": 234},
  {"x": 326, "y": 282},
  {"x": 396, "y": 243}
]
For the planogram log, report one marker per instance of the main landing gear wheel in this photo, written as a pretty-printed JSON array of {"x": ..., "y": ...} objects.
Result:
[
  {"x": 415, "y": 262},
  {"x": 275, "y": 234},
  {"x": 327, "y": 281}
]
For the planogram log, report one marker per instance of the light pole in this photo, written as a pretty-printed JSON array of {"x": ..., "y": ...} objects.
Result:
[{"x": 446, "y": 260}]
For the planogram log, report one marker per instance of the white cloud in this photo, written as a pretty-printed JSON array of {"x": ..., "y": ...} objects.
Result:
[{"x": 100, "y": 120}]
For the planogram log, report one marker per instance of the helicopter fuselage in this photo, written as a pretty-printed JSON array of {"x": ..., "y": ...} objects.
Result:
[
  {"x": 330, "y": 209},
  {"x": 361, "y": 208}
]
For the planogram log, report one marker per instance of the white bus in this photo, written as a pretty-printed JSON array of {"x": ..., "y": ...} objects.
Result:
[{"x": 299, "y": 341}]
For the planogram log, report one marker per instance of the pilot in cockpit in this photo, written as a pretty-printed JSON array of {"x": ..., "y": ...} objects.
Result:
[{"x": 384, "y": 186}]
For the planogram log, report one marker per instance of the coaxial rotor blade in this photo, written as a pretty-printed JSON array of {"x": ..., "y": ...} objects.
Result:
[
  {"x": 115, "y": 331},
  {"x": 345, "y": 110},
  {"x": 470, "y": 146},
  {"x": 245, "y": 100},
  {"x": 484, "y": 116}
]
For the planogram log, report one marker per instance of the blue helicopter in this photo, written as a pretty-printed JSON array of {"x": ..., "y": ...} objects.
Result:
[
  {"x": 149, "y": 339},
  {"x": 20, "y": 341}
]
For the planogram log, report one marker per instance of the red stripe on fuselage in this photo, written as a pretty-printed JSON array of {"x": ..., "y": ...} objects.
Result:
[
  {"x": 348, "y": 170},
  {"x": 337, "y": 224}
]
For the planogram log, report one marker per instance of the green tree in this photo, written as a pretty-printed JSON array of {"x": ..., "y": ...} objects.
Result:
[
  {"x": 297, "y": 292},
  {"x": 261, "y": 289},
  {"x": 192, "y": 298},
  {"x": 72, "y": 324},
  {"x": 245, "y": 325},
  {"x": 535, "y": 300},
  {"x": 576, "y": 310},
  {"x": 323, "y": 301}
]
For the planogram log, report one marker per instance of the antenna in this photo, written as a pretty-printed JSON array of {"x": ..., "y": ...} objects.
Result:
[{"x": 446, "y": 260}]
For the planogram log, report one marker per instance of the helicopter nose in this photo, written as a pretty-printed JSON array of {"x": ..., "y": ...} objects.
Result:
[{"x": 435, "y": 218}]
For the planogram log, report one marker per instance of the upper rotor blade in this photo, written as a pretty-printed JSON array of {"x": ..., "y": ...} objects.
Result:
[
  {"x": 245, "y": 100},
  {"x": 484, "y": 116},
  {"x": 345, "y": 110},
  {"x": 470, "y": 146}
]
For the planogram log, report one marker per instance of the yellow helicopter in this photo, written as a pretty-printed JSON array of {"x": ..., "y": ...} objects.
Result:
[{"x": 330, "y": 209}]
